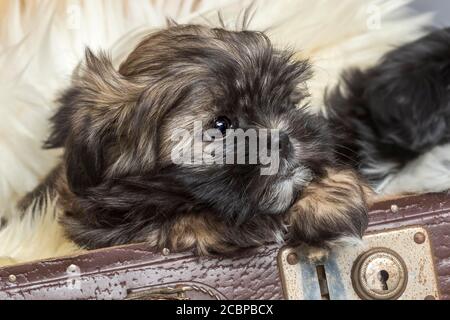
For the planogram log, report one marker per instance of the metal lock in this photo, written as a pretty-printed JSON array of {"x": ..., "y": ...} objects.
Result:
[
  {"x": 379, "y": 274},
  {"x": 388, "y": 265}
]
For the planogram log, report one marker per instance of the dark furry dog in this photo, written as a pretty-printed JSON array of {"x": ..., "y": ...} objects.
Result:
[
  {"x": 118, "y": 184},
  {"x": 397, "y": 110}
]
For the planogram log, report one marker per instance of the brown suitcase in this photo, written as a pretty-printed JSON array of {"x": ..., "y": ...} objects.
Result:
[{"x": 406, "y": 255}]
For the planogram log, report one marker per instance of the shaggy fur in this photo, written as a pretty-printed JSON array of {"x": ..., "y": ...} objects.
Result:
[
  {"x": 39, "y": 41},
  {"x": 397, "y": 110},
  {"x": 118, "y": 184}
]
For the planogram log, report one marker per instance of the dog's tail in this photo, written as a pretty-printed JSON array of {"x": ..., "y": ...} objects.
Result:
[{"x": 396, "y": 111}]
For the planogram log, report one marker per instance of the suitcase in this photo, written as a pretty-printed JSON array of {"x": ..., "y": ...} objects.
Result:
[{"x": 405, "y": 255}]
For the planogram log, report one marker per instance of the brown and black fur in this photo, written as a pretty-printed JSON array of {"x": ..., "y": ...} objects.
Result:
[{"x": 117, "y": 184}]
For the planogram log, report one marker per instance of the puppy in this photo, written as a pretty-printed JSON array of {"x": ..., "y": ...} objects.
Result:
[
  {"x": 118, "y": 183},
  {"x": 397, "y": 110}
]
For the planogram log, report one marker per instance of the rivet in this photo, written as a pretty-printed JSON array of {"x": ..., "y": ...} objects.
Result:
[
  {"x": 419, "y": 238},
  {"x": 165, "y": 252},
  {"x": 292, "y": 258},
  {"x": 430, "y": 298},
  {"x": 394, "y": 208},
  {"x": 72, "y": 268},
  {"x": 12, "y": 278}
]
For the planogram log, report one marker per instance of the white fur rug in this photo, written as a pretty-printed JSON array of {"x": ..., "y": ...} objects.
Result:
[{"x": 41, "y": 42}]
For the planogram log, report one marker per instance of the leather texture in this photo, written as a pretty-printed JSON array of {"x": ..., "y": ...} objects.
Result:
[
  {"x": 431, "y": 211},
  {"x": 123, "y": 272}
]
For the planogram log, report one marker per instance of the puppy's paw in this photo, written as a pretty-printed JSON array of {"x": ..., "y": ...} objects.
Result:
[
  {"x": 201, "y": 233},
  {"x": 330, "y": 209},
  {"x": 316, "y": 254}
]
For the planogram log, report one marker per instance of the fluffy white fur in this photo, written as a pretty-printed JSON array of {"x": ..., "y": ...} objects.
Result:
[{"x": 41, "y": 42}]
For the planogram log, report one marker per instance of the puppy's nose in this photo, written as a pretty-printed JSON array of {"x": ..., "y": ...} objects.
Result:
[
  {"x": 282, "y": 143},
  {"x": 285, "y": 142}
]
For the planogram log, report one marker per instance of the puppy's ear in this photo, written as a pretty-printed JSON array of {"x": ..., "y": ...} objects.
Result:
[{"x": 86, "y": 123}]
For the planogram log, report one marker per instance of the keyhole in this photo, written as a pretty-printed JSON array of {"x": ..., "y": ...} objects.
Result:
[{"x": 383, "y": 276}]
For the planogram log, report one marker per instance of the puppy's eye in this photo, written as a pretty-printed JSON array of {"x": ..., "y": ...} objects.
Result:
[{"x": 222, "y": 124}]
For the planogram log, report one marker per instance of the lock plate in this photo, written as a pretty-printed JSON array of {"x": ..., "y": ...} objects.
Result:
[{"x": 404, "y": 259}]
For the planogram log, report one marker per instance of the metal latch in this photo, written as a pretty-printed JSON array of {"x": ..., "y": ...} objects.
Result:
[{"x": 396, "y": 264}]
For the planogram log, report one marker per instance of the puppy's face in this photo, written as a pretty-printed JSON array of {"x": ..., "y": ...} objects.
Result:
[{"x": 125, "y": 124}]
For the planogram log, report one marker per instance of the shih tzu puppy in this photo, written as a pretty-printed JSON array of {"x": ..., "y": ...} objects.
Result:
[
  {"x": 397, "y": 110},
  {"x": 118, "y": 182}
]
